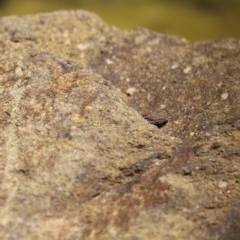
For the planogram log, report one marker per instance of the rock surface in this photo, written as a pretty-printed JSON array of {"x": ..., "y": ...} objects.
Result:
[{"x": 83, "y": 151}]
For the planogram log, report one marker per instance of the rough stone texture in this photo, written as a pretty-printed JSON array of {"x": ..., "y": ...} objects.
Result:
[{"x": 78, "y": 158}]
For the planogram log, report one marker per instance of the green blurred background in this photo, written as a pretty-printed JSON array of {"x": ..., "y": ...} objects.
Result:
[{"x": 193, "y": 19}]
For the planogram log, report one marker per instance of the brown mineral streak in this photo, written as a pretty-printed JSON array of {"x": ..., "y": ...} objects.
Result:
[{"x": 91, "y": 98}]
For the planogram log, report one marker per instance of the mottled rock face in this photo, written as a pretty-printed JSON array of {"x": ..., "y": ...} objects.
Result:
[{"x": 112, "y": 134}]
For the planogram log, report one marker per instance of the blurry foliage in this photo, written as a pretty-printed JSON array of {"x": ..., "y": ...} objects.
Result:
[
  {"x": 211, "y": 4},
  {"x": 193, "y": 19}
]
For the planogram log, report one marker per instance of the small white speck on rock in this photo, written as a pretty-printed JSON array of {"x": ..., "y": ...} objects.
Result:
[
  {"x": 83, "y": 46},
  {"x": 208, "y": 134},
  {"x": 187, "y": 70},
  {"x": 224, "y": 96},
  {"x": 130, "y": 91},
  {"x": 109, "y": 61},
  {"x": 222, "y": 184}
]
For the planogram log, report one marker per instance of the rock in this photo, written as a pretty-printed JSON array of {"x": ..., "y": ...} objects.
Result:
[{"x": 80, "y": 159}]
